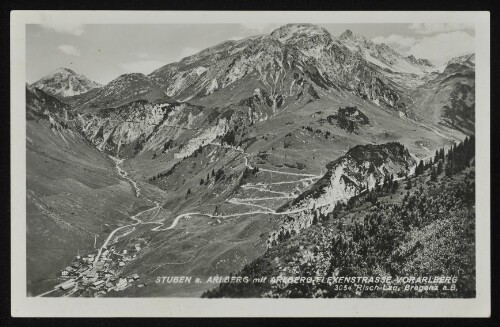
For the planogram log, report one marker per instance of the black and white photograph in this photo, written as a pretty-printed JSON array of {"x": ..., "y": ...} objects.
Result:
[{"x": 248, "y": 159}]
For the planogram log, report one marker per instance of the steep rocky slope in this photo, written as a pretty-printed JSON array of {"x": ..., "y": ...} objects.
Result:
[
  {"x": 384, "y": 57},
  {"x": 41, "y": 105},
  {"x": 449, "y": 97},
  {"x": 362, "y": 168},
  {"x": 123, "y": 89}
]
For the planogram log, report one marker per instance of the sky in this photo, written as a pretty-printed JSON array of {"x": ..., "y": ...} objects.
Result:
[{"x": 103, "y": 52}]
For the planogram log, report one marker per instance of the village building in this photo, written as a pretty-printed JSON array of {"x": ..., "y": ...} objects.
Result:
[
  {"x": 97, "y": 284},
  {"x": 90, "y": 275},
  {"x": 67, "y": 285}
]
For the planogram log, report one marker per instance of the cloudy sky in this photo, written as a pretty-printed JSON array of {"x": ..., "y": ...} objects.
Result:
[{"x": 103, "y": 52}]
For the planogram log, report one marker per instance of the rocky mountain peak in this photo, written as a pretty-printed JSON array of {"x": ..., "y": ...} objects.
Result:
[
  {"x": 123, "y": 89},
  {"x": 348, "y": 35},
  {"x": 465, "y": 63},
  {"x": 418, "y": 61},
  {"x": 64, "y": 82},
  {"x": 290, "y": 32},
  {"x": 465, "y": 59},
  {"x": 383, "y": 56},
  {"x": 64, "y": 70}
]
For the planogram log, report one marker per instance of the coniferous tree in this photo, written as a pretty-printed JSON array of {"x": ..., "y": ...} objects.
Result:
[
  {"x": 448, "y": 170},
  {"x": 433, "y": 174},
  {"x": 441, "y": 154},
  {"x": 439, "y": 167}
]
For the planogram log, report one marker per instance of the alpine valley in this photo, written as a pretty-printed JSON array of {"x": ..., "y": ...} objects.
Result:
[{"x": 208, "y": 165}]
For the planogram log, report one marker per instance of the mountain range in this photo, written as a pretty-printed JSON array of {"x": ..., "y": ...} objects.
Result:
[{"x": 236, "y": 144}]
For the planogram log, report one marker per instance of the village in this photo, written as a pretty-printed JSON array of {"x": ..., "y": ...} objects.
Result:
[{"x": 89, "y": 275}]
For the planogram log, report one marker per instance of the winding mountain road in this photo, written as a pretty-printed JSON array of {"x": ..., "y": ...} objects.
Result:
[{"x": 259, "y": 186}]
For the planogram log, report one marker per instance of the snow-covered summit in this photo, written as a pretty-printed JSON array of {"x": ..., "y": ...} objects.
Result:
[{"x": 64, "y": 82}]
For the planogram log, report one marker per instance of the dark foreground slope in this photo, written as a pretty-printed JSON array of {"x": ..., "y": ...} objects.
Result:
[{"x": 423, "y": 227}]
